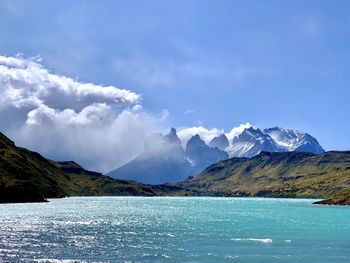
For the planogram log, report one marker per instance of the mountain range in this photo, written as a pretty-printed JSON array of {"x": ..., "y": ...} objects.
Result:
[
  {"x": 27, "y": 176},
  {"x": 253, "y": 141},
  {"x": 164, "y": 160}
]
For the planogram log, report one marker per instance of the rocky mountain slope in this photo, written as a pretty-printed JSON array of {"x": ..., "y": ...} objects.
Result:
[
  {"x": 293, "y": 140},
  {"x": 253, "y": 141},
  {"x": 250, "y": 143},
  {"x": 164, "y": 160},
  {"x": 201, "y": 155},
  {"x": 221, "y": 142}
]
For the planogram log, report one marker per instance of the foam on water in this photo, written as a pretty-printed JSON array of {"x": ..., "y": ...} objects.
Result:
[{"x": 261, "y": 240}]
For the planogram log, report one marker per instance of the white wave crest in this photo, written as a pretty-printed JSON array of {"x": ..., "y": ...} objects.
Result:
[{"x": 261, "y": 240}]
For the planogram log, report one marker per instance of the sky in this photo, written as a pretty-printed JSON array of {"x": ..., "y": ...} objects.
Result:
[{"x": 183, "y": 63}]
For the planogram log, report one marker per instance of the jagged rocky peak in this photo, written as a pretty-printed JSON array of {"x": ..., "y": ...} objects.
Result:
[
  {"x": 165, "y": 160},
  {"x": 201, "y": 155},
  {"x": 172, "y": 137},
  {"x": 165, "y": 146},
  {"x": 248, "y": 135},
  {"x": 196, "y": 138},
  {"x": 254, "y": 136},
  {"x": 195, "y": 141},
  {"x": 284, "y": 137},
  {"x": 172, "y": 132},
  {"x": 220, "y": 142},
  {"x": 250, "y": 143}
]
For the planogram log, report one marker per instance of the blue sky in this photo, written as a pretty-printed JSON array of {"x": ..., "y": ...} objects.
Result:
[{"x": 210, "y": 63}]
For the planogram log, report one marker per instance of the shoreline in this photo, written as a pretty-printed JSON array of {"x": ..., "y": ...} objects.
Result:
[{"x": 317, "y": 201}]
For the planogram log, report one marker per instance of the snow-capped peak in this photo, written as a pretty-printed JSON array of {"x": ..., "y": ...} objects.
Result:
[
  {"x": 253, "y": 141},
  {"x": 294, "y": 140}
]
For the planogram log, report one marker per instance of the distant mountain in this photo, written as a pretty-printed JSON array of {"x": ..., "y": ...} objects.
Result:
[
  {"x": 220, "y": 142},
  {"x": 284, "y": 174},
  {"x": 201, "y": 155},
  {"x": 164, "y": 160},
  {"x": 253, "y": 141},
  {"x": 26, "y": 176},
  {"x": 293, "y": 140},
  {"x": 250, "y": 143}
]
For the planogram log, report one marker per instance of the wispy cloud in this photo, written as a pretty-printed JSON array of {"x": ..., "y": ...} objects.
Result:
[
  {"x": 189, "y": 111},
  {"x": 206, "y": 134},
  {"x": 237, "y": 130},
  {"x": 193, "y": 68}
]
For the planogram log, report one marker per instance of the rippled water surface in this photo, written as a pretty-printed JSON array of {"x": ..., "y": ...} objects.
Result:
[{"x": 136, "y": 229}]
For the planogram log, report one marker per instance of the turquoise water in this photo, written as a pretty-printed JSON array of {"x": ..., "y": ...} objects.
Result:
[{"x": 136, "y": 229}]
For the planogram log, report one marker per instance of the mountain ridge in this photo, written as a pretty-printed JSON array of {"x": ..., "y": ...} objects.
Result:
[
  {"x": 252, "y": 141},
  {"x": 26, "y": 176},
  {"x": 165, "y": 160},
  {"x": 279, "y": 174},
  {"x": 168, "y": 162}
]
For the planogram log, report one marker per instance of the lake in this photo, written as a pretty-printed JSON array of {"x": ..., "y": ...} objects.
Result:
[{"x": 174, "y": 229}]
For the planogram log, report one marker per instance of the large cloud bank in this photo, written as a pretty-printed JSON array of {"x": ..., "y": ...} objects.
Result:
[{"x": 101, "y": 127}]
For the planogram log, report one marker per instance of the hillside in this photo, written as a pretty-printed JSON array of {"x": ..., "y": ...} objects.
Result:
[
  {"x": 289, "y": 174},
  {"x": 88, "y": 183},
  {"x": 26, "y": 176},
  {"x": 341, "y": 197}
]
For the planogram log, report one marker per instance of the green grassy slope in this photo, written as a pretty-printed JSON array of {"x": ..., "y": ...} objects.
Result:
[
  {"x": 292, "y": 174},
  {"x": 26, "y": 176},
  {"x": 88, "y": 183},
  {"x": 341, "y": 197}
]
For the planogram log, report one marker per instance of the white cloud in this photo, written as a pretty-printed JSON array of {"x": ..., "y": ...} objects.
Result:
[
  {"x": 100, "y": 127},
  {"x": 100, "y": 146},
  {"x": 90, "y": 114},
  {"x": 237, "y": 131},
  {"x": 164, "y": 115},
  {"x": 208, "y": 134},
  {"x": 25, "y": 83},
  {"x": 189, "y": 111}
]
